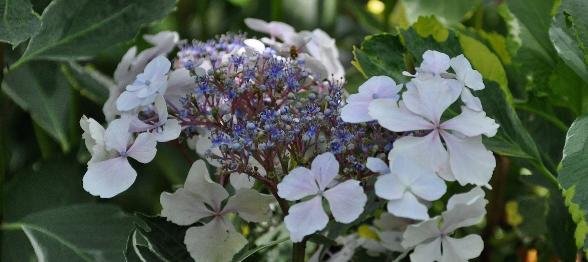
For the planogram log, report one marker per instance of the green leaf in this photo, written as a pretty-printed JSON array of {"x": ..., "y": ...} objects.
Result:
[
  {"x": 564, "y": 40},
  {"x": 574, "y": 174},
  {"x": 79, "y": 29},
  {"x": 417, "y": 44},
  {"x": 165, "y": 238},
  {"x": 19, "y": 21},
  {"x": 578, "y": 9},
  {"x": 42, "y": 187},
  {"x": 486, "y": 62},
  {"x": 90, "y": 82},
  {"x": 89, "y": 232},
  {"x": 512, "y": 138},
  {"x": 42, "y": 90},
  {"x": 139, "y": 252},
  {"x": 534, "y": 22},
  {"x": 449, "y": 11},
  {"x": 370, "y": 61}
]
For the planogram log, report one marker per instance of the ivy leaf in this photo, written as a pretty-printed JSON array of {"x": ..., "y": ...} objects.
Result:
[
  {"x": 88, "y": 232},
  {"x": 80, "y": 29},
  {"x": 18, "y": 21},
  {"x": 42, "y": 90},
  {"x": 370, "y": 61}
]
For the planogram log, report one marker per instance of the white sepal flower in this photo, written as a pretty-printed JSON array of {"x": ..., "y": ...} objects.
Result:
[
  {"x": 377, "y": 87},
  {"x": 346, "y": 200},
  {"x": 110, "y": 177},
  {"x": 163, "y": 129},
  {"x": 470, "y": 78},
  {"x": 179, "y": 84},
  {"x": 405, "y": 184},
  {"x": 274, "y": 28},
  {"x": 322, "y": 47},
  {"x": 147, "y": 85},
  {"x": 465, "y": 159},
  {"x": 430, "y": 239},
  {"x": 216, "y": 240},
  {"x": 132, "y": 64},
  {"x": 94, "y": 139},
  {"x": 434, "y": 64}
]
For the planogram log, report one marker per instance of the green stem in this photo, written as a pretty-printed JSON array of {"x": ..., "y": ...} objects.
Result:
[
  {"x": 556, "y": 122},
  {"x": 10, "y": 226}
]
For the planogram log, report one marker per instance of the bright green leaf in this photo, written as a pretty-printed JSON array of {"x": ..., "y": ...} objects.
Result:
[
  {"x": 486, "y": 62},
  {"x": 449, "y": 11},
  {"x": 18, "y": 21}
]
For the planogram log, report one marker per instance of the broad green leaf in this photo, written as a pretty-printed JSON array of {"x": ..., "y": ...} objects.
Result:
[
  {"x": 165, "y": 238},
  {"x": 49, "y": 184},
  {"x": 78, "y": 29},
  {"x": 486, "y": 62},
  {"x": 370, "y": 61},
  {"x": 42, "y": 90},
  {"x": 417, "y": 44},
  {"x": 564, "y": 40},
  {"x": 568, "y": 90},
  {"x": 534, "y": 21},
  {"x": 577, "y": 10},
  {"x": 574, "y": 174},
  {"x": 512, "y": 138},
  {"x": 18, "y": 21},
  {"x": 89, "y": 232},
  {"x": 90, "y": 82},
  {"x": 449, "y": 11}
]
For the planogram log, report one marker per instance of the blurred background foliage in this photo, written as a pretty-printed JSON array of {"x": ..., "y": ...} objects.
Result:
[{"x": 42, "y": 156}]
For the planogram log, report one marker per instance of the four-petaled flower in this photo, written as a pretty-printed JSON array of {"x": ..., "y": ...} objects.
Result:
[
  {"x": 377, "y": 87},
  {"x": 110, "y": 173},
  {"x": 403, "y": 184},
  {"x": 465, "y": 159},
  {"x": 147, "y": 85},
  {"x": 346, "y": 199},
  {"x": 217, "y": 239},
  {"x": 430, "y": 238}
]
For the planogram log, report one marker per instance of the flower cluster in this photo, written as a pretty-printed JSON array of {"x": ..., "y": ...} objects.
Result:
[
  {"x": 274, "y": 111},
  {"x": 429, "y": 150}
]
